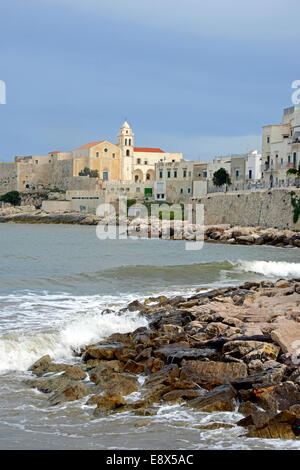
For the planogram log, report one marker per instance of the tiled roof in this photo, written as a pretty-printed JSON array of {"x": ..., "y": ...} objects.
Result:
[
  {"x": 147, "y": 149},
  {"x": 91, "y": 144}
]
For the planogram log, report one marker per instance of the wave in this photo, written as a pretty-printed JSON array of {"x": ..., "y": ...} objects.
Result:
[
  {"x": 271, "y": 268},
  {"x": 19, "y": 350}
]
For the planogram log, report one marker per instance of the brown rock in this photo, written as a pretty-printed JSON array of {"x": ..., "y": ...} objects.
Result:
[
  {"x": 115, "y": 382},
  {"x": 154, "y": 365},
  {"x": 133, "y": 367},
  {"x": 279, "y": 397},
  {"x": 286, "y": 334},
  {"x": 211, "y": 372},
  {"x": 220, "y": 399},
  {"x": 70, "y": 393},
  {"x": 106, "y": 403},
  {"x": 102, "y": 351}
]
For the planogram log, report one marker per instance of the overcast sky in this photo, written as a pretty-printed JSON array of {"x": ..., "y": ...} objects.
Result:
[{"x": 198, "y": 77}]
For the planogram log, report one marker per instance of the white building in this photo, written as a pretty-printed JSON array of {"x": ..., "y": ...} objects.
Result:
[{"x": 281, "y": 149}]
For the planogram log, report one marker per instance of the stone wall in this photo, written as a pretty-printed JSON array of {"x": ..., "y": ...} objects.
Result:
[
  {"x": 265, "y": 208},
  {"x": 8, "y": 177}
]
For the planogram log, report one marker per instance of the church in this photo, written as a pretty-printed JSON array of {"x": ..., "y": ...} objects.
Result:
[{"x": 121, "y": 162}]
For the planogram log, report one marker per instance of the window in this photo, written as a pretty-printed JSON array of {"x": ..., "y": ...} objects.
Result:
[
  {"x": 36, "y": 162},
  {"x": 129, "y": 142},
  {"x": 127, "y": 153},
  {"x": 236, "y": 174},
  {"x": 173, "y": 161},
  {"x": 162, "y": 196},
  {"x": 250, "y": 174},
  {"x": 169, "y": 174},
  {"x": 105, "y": 176},
  {"x": 268, "y": 140},
  {"x": 125, "y": 141},
  {"x": 189, "y": 190},
  {"x": 145, "y": 162},
  {"x": 138, "y": 160},
  {"x": 289, "y": 159},
  {"x": 205, "y": 174},
  {"x": 181, "y": 190},
  {"x": 175, "y": 174},
  {"x": 114, "y": 155},
  {"x": 160, "y": 174},
  {"x": 184, "y": 173},
  {"x": 97, "y": 154},
  {"x": 105, "y": 150}
]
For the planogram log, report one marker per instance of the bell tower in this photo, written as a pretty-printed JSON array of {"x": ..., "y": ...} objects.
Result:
[{"x": 126, "y": 145}]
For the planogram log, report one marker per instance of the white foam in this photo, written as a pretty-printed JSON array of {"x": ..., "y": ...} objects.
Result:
[
  {"x": 19, "y": 351},
  {"x": 271, "y": 268}
]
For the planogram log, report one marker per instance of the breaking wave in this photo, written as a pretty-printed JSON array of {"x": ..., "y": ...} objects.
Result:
[{"x": 271, "y": 268}]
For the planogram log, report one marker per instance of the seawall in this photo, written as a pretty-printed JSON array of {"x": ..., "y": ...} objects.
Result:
[{"x": 264, "y": 208}]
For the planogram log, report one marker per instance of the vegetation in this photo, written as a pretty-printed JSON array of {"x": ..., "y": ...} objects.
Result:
[
  {"x": 87, "y": 172},
  {"x": 294, "y": 171},
  {"x": 13, "y": 197},
  {"x": 296, "y": 205},
  {"x": 221, "y": 177}
]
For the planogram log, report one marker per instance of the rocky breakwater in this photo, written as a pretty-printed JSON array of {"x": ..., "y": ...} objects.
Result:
[
  {"x": 164, "y": 229},
  {"x": 230, "y": 349}
]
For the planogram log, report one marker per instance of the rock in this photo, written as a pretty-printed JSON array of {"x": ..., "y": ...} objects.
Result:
[
  {"x": 286, "y": 334},
  {"x": 124, "y": 354},
  {"x": 213, "y": 426},
  {"x": 213, "y": 373},
  {"x": 177, "y": 396},
  {"x": 171, "y": 330},
  {"x": 106, "y": 403},
  {"x": 281, "y": 284},
  {"x": 247, "y": 408},
  {"x": 285, "y": 425},
  {"x": 133, "y": 367},
  {"x": 121, "y": 384},
  {"x": 165, "y": 376},
  {"x": 266, "y": 377},
  {"x": 70, "y": 393},
  {"x": 115, "y": 365},
  {"x": 220, "y": 399},
  {"x": 250, "y": 350},
  {"x": 41, "y": 366},
  {"x": 165, "y": 352},
  {"x": 255, "y": 366},
  {"x": 154, "y": 365},
  {"x": 49, "y": 385},
  {"x": 102, "y": 351},
  {"x": 278, "y": 397}
]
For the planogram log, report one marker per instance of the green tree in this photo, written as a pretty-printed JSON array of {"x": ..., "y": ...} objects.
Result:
[
  {"x": 221, "y": 177},
  {"x": 13, "y": 197},
  {"x": 87, "y": 172}
]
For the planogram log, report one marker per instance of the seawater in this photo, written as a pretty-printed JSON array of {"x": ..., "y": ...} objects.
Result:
[{"x": 61, "y": 288}]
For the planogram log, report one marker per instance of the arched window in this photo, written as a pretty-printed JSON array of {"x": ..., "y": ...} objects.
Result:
[
  {"x": 125, "y": 141},
  {"x": 127, "y": 153}
]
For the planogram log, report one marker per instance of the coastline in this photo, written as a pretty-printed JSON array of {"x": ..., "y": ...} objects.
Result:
[
  {"x": 221, "y": 233},
  {"x": 228, "y": 349}
]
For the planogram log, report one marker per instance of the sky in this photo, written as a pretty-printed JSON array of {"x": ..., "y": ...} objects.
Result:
[{"x": 196, "y": 77}]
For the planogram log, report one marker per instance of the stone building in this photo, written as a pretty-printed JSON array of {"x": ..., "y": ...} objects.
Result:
[
  {"x": 281, "y": 149},
  {"x": 121, "y": 162},
  {"x": 173, "y": 181}
]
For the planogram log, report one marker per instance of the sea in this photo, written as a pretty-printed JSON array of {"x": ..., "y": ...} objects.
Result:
[{"x": 62, "y": 288}]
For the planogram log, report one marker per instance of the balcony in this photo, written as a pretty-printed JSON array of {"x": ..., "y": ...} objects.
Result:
[{"x": 290, "y": 165}]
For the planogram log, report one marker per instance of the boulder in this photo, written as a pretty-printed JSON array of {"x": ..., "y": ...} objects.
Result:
[
  {"x": 212, "y": 373},
  {"x": 104, "y": 351},
  {"x": 106, "y": 403},
  {"x": 177, "y": 396},
  {"x": 116, "y": 382},
  {"x": 220, "y": 399},
  {"x": 286, "y": 335},
  {"x": 278, "y": 397},
  {"x": 70, "y": 393}
]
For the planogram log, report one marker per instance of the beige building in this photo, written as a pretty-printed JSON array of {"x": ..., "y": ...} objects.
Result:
[
  {"x": 123, "y": 163},
  {"x": 281, "y": 149},
  {"x": 173, "y": 181}
]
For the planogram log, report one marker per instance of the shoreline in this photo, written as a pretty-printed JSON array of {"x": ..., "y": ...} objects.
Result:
[
  {"x": 222, "y": 233},
  {"x": 228, "y": 349}
]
